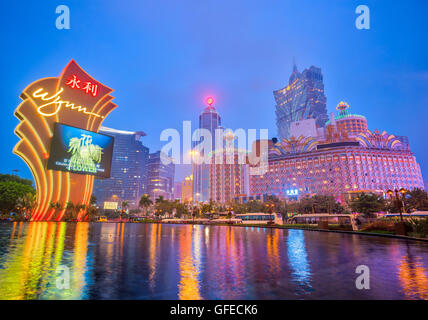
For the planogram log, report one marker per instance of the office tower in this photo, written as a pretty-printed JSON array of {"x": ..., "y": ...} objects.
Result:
[
  {"x": 160, "y": 176},
  {"x": 210, "y": 120},
  {"x": 303, "y": 98},
  {"x": 128, "y": 170}
]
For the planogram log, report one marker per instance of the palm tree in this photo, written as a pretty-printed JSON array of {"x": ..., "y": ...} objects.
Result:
[
  {"x": 124, "y": 207},
  {"x": 56, "y": 206},
  {"x": 26, "y": 204},
  {"x": 160, "y": 199},
  {"x": 77, "y": 209},
  {"x": 69, "y": 208},
  {"x": 145, "y": 202},
  {"x": 91, "y": 213}
]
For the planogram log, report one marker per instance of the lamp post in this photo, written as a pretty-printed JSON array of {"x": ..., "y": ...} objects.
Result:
[
  {"x": 193, "y": 153},
  {"x": 229, "y": 213},
  {"x": 398, "y": 200},
  {"x": 269, "y": 207}
]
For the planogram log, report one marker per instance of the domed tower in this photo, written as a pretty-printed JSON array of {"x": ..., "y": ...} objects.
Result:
[{"x": 349, "y": 124}]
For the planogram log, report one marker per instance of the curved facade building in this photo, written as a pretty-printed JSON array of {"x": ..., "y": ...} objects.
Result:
[
  {"x": 348, "y": 159},
  {"x": 338, "y": 170}
]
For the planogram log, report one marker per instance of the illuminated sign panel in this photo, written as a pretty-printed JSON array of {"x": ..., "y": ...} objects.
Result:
[
  {"x": 80, "y": 151},
  {"x": 74, "y": 99},
  {"x": 110, "y": 205},
  {"x": 292, "y": 192}
]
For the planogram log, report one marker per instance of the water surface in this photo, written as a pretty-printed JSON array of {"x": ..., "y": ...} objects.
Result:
[{"x": 155, "y": 261}]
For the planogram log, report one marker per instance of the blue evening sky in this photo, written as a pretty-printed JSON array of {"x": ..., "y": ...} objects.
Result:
[{"x": 163, "y": 57}]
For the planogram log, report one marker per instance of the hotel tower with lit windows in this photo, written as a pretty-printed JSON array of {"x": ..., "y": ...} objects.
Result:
[{"x": 342, "y": 159}]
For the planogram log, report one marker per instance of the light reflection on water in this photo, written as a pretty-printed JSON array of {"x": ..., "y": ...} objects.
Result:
[{"x": 154, "y": 261}]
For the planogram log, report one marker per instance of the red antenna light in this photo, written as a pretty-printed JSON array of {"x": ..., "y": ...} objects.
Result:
[{"x": 210, "y": 101}]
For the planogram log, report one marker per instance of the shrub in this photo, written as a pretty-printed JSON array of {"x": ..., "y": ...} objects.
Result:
[
  {"x": 418, "y": 227},
  {"x": 380, "y": 225}
]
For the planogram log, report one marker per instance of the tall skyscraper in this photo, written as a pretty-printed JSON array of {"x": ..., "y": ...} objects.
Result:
[
  {"x": 128, "y": 170},
  {"x": 160, "y": 179},
  {"x": 303, "y": 98},
  {"x": 210, "y": 120}
]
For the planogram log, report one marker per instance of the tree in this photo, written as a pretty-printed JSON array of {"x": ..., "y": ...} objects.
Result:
[
  {"x": 145, "y": 202},
  {"x": 77, "y": 209},
  {"x": 367, "y": 203},
  {"x": 180, "y": 209},
  {"x": 93, "y": 200},
  {"x": 125, "y": 206},
  {"x": 14, "y": 178},
  {"x": 69, "y": 209},
  {"x": 26, "y": 204},
  {"x": 10, "y": 192},
  {"x": 91, "y": 213},
  {"x": 326, "y": 204},
  {"x": 56, "y": 206},
  {"x": 163, "y": 206},
  {"x": 254, "y": 206},
  {"x": 416, "y": 199}
]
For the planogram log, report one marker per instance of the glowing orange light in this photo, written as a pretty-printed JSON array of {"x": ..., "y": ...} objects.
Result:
[{"x": 210, "y": 101}]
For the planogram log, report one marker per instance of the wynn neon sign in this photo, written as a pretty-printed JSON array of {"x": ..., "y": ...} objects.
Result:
[{"x": 56, "y": 101}]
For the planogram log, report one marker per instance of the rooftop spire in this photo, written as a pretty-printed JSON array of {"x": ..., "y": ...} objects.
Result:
[{"x": 294, "y": 65}]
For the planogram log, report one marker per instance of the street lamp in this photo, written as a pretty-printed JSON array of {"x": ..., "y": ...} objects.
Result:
[
  {"x": 398, "y": 200},
  {"x": 193, "y": 153}
]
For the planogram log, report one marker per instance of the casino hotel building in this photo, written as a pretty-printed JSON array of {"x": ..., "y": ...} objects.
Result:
[{"x": 342, "y": 159}]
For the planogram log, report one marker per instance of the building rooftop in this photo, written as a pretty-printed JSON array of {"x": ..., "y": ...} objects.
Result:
[{"x": 111, "y": 130}]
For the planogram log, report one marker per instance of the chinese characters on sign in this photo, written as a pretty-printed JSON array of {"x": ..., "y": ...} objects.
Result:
[{"x": 87, "y": 86}]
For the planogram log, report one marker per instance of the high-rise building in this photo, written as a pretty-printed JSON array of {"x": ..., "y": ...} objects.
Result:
[
  {"x": 177, "y": 192},
  {"x": 187, "y": 189},
  {"x": 160, "y": 176},
  {"x": 209, "y": 120},
  {"x": 128, "y": 177},
  {"x": 229, "y": 172},
  {"x": 303, "y": 98}
]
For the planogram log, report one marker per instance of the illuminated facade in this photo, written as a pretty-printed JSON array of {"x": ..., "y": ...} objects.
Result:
[
  {"x": 160, "y": 176},
  {"x": 209, "y": 120},
  {"x": 128, "y": 178},
  {"x": 348, "y": 124},
  {"x": 303, "y": 98},
  {"x": 228, "y": 172},
  {"x": 349, "y": 163},
  {"x": 73, "y": 99},
  {"x": 187, "y": 189}
]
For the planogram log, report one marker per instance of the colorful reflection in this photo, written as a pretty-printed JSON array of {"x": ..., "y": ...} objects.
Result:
[
  {"x": 189, "y": 264},
  {"x": 413, "y": 276},
  {"x": 298, "y": 260},
  {"x": 155, "y": 261}
]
